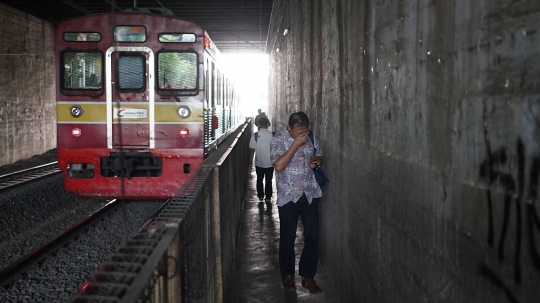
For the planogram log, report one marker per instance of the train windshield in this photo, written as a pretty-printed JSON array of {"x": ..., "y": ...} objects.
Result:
[
  {"x": 82, "y": 70},
  {"x": 177, "y": 71}
]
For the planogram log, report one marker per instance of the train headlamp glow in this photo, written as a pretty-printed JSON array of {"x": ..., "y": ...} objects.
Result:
[
  {"x": 76, "y": 111},
  {"x": 76, "y": 132},
  {"x": 183, "y": 111},
  {"x": 183, "y": 132}
]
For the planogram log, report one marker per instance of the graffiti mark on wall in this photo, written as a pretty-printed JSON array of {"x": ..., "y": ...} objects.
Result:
[{"x": 498, "y": 173}]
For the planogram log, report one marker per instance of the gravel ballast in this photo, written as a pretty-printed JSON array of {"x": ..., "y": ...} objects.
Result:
[
  {"x": 33, "y": 214},
  {"x": 59, "y": 277}
]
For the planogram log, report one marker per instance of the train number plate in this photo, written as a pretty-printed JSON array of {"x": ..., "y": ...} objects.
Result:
[{"x": 131, "y": 113}]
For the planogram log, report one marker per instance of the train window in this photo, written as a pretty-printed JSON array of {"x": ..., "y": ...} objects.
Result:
[
  {"x": 131, "y": 72},
  {"x": 206, "y": 81},
  {"x": 213, "y": 81},
  {"x": 182, "y": 38},
  {"x": 84, "y": 37},
  {"x": 219, "y": 87},
  {"x": 129, "y": 33},
  {"x": 177, "y": 71},
  {"x": 227, "y": 93},
  {"x": 82, "y": 70}
]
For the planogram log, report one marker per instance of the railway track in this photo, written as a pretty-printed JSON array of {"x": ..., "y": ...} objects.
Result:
[
  {"x": 28, "y": 175},
  {"x": 12, "y": 271}
]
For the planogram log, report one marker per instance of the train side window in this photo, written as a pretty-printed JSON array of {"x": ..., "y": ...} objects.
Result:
[
  {"x": 173, "y": 37},
  {"x": 227, "y": 88},
  {"x": 219, "y": 90},
  {"x": 207, "y": 81},
  {"x": 82, "y": 70},
  {"x": 177, "y": 70},
  {"x": 82, "y": 37},
  {"x": 213, "y": 81},
  {"x": 131, "y": 72}
]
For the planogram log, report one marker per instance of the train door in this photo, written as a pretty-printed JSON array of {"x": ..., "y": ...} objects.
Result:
[{"x": 130, "y": 97}]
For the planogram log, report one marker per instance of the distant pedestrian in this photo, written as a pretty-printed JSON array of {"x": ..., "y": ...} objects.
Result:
[
  {"x": 297, "y": 196},
  {"x": 260, "y": 146},
  {"x": 258, "y": 117}
]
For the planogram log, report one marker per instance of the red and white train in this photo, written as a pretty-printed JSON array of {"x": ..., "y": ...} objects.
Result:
[{"x": 140, "y": 102}]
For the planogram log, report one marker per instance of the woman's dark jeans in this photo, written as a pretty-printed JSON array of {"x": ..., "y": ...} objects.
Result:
[{"x": 288, "y": 222}]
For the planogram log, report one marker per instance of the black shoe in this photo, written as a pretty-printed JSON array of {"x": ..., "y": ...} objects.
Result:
[
  {"x": 288, "y": 283},
  {"x": 311, "y": 285}
]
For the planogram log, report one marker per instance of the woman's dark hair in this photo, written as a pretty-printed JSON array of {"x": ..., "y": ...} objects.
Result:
[{"x": 299, "y": 118}]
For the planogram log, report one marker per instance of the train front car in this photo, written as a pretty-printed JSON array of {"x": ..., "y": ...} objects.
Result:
[{"x": 130, "y": 104}]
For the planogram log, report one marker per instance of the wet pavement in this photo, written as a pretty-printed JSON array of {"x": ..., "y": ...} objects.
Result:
[{"x": 256, "y": 277}]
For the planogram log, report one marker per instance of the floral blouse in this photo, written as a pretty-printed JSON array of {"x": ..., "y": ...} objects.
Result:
[{"x": 297, "y": 178}]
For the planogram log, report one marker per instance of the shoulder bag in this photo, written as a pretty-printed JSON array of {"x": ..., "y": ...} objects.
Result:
[{"x": 320, "y": 176}]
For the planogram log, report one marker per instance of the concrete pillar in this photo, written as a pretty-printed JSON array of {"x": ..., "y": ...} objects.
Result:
[{"x": 27, "y": 86}]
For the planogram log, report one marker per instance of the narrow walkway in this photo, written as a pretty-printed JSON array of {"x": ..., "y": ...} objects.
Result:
[{"x": 257, "y": 278}]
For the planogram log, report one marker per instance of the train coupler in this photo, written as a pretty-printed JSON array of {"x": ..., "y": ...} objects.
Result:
[{"x": 131, "y": 164}]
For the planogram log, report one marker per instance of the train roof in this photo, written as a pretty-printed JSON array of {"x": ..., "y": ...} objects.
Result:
[
  {"x": 153, "y": 21},
  {"x": 150, "y": 10},
  {"x": 128, "y": 14}
]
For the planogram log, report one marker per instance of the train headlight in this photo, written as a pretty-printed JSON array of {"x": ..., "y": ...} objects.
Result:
[
  {"x": 76, "y": 132},
  {"x": 76, "y": 111},
  {"x": 183, "y": 132},
  {"x": 183, "y": 111}
]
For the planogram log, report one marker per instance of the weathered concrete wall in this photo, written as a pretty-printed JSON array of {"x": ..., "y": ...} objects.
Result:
[
  {"x": 429, "y": 115},
  {"x": 27, "y": 94}
]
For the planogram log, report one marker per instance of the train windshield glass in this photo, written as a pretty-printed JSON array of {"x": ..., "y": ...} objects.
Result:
[
  {"x": 181, "y": 38},
  {"x": 82, "y": 70},
  {"x": 177, "y": 71},
  {"x": 131, "y": 72},
  {"x": 129, "y": 33}
]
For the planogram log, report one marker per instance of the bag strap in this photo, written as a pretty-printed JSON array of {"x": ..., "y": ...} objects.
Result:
[
  {"x": 312, "y": 142},
  {"x": 256, "y": 136}
]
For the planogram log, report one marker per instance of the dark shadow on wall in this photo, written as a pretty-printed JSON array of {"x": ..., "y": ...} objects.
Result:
[{"x": 495, "y": 170}]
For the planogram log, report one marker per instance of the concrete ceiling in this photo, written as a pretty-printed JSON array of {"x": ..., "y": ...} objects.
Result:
[{"x": 233, "y": 25}]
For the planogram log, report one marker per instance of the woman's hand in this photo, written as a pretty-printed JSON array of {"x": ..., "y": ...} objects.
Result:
[
  {"x": 315, "y": 161},
  {"x": 301, "y": 139}
]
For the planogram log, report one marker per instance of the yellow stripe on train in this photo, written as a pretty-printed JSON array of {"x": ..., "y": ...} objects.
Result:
[{"x": 131, "y": 112}]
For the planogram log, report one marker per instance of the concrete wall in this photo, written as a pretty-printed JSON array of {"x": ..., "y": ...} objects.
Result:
[
  {"x": 27, "y": 81},
  {"x": 428, "y": 112}
]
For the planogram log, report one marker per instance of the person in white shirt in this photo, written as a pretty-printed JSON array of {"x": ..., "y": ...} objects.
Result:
[{"x": 260, "y": 146}]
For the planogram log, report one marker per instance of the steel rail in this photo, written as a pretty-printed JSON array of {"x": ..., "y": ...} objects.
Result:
[
  {"x": 154, "y": 216},
  {"x": 27, "y": 175},
  {"x": 28, "y": 170},
  {"x": 9, "y": 273}
]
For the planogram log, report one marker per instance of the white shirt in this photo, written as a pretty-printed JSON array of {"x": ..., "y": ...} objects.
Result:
[{"x": 262, "y": 148}]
